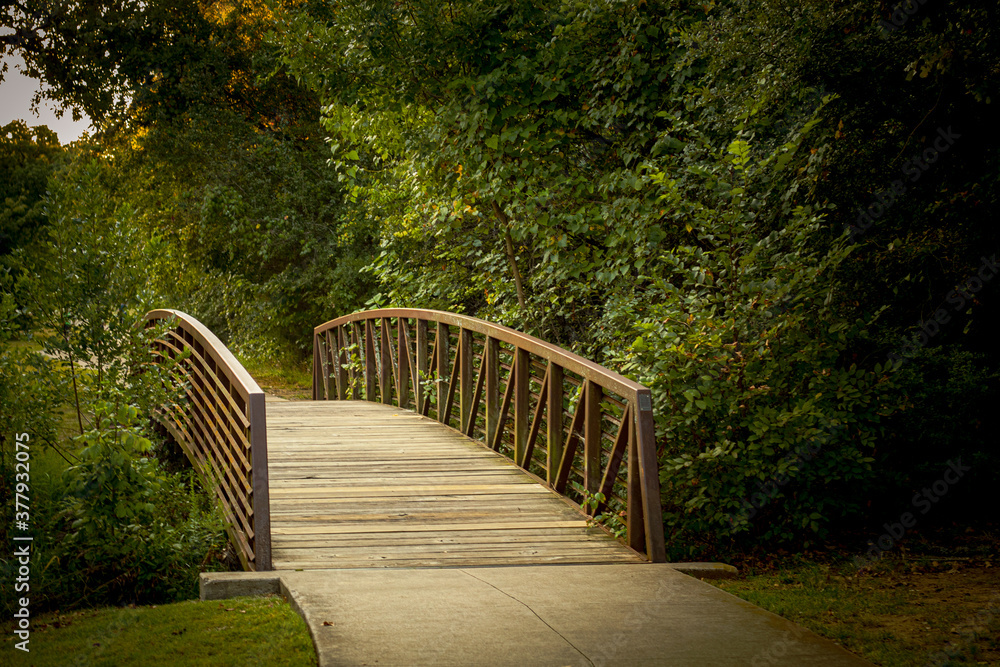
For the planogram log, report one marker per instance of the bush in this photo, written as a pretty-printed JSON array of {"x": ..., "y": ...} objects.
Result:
[{"x": 765, "y": 430}]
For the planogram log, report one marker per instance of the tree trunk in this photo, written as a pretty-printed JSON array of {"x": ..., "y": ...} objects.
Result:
[{"x": 511, "y": 257}]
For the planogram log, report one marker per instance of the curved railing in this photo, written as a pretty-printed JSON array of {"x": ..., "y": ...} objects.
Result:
[
  {"x": 510, "y": 388},
  {"x": 221, "y": 428}
]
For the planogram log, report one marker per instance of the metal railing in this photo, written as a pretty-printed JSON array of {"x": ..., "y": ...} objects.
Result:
[
  {"x": 507, "y": 389},
  {"x": 221, "y": 427}
]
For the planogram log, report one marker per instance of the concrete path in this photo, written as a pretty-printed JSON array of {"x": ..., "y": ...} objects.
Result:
[{"x": 531, "y": 615}]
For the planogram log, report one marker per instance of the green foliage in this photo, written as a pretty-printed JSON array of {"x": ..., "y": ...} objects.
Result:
[
  {"x": 31, "y": 393},
  {"x": 515, "y": 149},
  {"x": 127, "y": 531},
  {"x": 117, "y": 529},
  {"x": 762, "y": 426},
  {"x": 611, "y": 520},
  {"x": 86, "y": 286},
  {"x": 911, "y": 164},
  {"x": 262, "y": 247},
  {"x": 947, "y": 397},
  {"x": 578, "y": 132},
  {"x": 103, "y": 57},
  {"x": 27, "y": 158}
]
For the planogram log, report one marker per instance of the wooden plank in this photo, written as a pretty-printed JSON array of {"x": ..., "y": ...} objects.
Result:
[
  {"x": 337, "y": 529},
  {"x": 383, "y": 491},
  {"x": 477, "y": 560},
  {"x": 471, "y": 539},
  {"x": 431, "y": 514},
  {"x": 445, "y": 536},
  {"x": 497, "y": 476},
  {"x": 347, "y": 500}
]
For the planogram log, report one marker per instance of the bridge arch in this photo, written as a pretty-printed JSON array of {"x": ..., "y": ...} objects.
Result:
[
  {"x": 221, "y": 426},
  {"x": 506, "y": 388}
]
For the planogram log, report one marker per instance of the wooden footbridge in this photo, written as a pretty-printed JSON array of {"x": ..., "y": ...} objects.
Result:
[{"x": 433, "y": 439}]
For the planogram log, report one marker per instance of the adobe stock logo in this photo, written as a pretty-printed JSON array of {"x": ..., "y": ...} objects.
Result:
[
  {"x": 958, "y": 297},
  {"x": 922, "y": 500},
  {"x": 901, "y": 13},
  {"x": 913, "y": 169}
]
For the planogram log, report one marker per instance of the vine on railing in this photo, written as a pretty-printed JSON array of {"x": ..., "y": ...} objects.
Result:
[
  {"x": 221, "y": 427},
  {"x": 507, "y": 389}
]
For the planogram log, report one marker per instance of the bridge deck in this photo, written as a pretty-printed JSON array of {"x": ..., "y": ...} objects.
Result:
[{"x": 358, "y": 484}]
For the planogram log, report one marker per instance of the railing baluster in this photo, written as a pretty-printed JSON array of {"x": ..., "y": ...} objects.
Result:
[
  {"x": 508, "y": 393},
  {"x": 404, "y": 362},
  {"x": 470, "y": 428},
  {"x": 522, "y": 371},
  {"x": 592, "y": 439},
  {"x": 369, "y": 361},
  {"x": 554, "y": 421},
  {"x": 615, "y": 459},
  {"x": 650, "y": 479},
  {"x": 442, "y": 344},
  {"x": 343, "y": 358},
  {"x": 492, "y": 361},
  {"x": 387, "y": 366},
  {"x": 357, "y": 347},
  {"x": 465, "y": 377},
  {"x": 318, "y": 367},
  {"x": 572, "y": 441},
  {"x": 536, "y": 423},
  {"x": 418, "y": 383}
]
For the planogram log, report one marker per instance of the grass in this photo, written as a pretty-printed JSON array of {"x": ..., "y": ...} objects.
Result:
[
  {"x": 897, "y": 613},
  {"x": 240, "y": 631},
  {"x": 283, "y": 378}
]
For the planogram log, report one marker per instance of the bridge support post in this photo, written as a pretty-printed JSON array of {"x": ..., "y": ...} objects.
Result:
[
  {"x": 261, "y": 493},
  {"x": 649, "y": 480}
]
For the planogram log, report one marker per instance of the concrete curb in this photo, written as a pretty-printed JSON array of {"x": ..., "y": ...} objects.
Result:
[{"x": 225, "y": 585}]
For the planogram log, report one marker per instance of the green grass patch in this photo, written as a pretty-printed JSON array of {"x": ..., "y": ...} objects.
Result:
[
  {"x": 898, "y": 613},
  {"x": 282, "y": 377},
  {"x": 240, "y": 631}
]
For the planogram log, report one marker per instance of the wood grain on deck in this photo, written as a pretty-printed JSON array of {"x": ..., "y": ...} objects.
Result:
[{"x": 358, "y": 484}]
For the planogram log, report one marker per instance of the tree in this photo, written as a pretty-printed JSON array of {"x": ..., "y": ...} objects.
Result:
[
  {"x": 27, "y": 158},
  {"x": 99, "y": 57},
  {"x": 516, "y": 135}
]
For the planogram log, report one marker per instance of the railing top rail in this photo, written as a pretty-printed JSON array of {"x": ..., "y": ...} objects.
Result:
[
  {"x": 243, "y": 382},
  {"x": 568, "y": 360}
]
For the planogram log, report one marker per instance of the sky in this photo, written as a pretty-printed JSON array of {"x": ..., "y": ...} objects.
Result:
[{"x": 15, "y": 103}]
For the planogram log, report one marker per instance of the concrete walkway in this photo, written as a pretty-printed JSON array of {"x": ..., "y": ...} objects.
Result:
[{"x": 531, "y": 615}]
